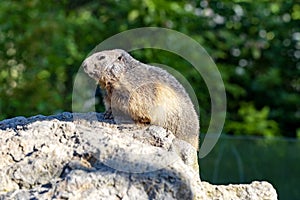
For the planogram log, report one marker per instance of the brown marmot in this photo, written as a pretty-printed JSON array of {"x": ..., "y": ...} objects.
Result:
[{"x": 142, "y": 93}]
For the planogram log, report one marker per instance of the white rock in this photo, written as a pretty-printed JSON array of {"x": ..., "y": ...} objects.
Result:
[{"x": 86, "y": 159}]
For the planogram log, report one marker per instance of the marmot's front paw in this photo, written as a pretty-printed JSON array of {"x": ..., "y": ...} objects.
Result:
[{"x": 108, "y": 115}]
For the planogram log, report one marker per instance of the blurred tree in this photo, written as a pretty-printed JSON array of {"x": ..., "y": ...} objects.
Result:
[
  {"x": 256, "y": 46},
  {"x": 253, "y": 122}
]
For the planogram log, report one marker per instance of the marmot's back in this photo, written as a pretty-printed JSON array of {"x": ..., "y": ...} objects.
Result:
[
  {"x": 158, "y": 98},
  {"x": 144, "y": 93}
]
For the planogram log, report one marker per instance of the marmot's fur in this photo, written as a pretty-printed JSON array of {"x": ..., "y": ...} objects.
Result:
[{"x": 143, "y": 93}]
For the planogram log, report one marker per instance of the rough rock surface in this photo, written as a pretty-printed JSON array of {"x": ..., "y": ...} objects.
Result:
[{"x": 82, "y": 156}]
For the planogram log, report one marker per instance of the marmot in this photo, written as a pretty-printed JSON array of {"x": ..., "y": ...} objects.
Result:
[{"x": 143, "y": 93}]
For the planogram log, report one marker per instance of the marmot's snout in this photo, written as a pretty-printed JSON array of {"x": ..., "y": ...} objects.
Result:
[
  {"x": 85, "y": 66},
  {"x": 91, "y": 72}
]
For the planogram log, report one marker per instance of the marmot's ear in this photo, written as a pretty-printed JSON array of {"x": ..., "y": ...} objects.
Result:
[{"x": 122, "y": 57}]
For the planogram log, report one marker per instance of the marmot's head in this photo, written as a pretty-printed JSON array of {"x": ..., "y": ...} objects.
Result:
[{"x": 107, "y": 66}]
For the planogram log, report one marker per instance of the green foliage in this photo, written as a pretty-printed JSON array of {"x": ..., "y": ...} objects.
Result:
[
  {"x": 256, "y": 46},
  {"x": 253, "y": 122},
  {"x": 298, "y": 133}
]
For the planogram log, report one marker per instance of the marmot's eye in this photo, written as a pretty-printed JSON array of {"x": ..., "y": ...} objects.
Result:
[{"x": 119, "y": 58}]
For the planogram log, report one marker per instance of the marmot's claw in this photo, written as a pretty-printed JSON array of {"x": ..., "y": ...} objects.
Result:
[{"x": 108, "y": 115}]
